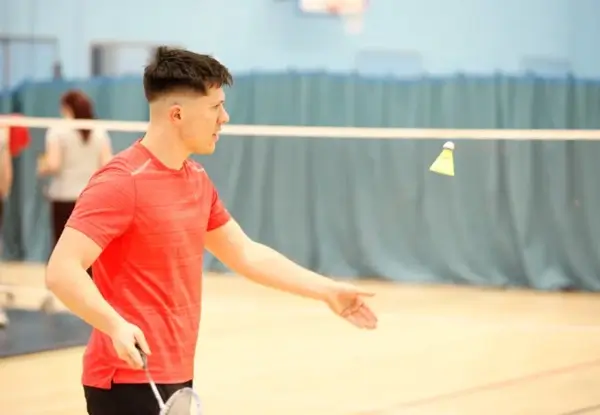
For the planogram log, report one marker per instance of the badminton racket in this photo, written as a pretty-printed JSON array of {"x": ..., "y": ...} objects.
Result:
[{"x": 183, "y": 402}]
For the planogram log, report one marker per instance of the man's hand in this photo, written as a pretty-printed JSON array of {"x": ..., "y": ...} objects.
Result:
[
  {"x": 125, "y": 336},
  {"x": 347, "y": 301}
]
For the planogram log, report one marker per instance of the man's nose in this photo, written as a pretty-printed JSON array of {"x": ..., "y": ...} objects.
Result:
[{"x": 224, "y": 118}]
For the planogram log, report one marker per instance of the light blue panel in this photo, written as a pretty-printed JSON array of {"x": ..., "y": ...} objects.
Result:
[{"x": 473, "y": 36}]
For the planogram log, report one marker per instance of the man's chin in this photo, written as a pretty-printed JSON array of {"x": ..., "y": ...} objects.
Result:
[{"x": 206, "y": 150}]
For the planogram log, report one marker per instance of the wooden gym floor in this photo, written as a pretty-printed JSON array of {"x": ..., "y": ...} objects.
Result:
[{"x": 438, "y": 350}]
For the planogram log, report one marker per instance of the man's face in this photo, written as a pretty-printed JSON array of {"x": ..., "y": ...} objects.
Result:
[{"x": 199, "y": 119}]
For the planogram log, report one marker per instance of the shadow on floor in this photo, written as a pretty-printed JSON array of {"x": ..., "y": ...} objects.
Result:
[{"x": 34, "y": 331}]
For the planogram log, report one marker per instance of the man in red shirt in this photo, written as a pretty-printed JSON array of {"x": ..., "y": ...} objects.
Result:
[{"x": 144, "y": 221}]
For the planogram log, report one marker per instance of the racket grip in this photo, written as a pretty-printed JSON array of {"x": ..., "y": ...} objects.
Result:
[{"x": 144, "y": 356}]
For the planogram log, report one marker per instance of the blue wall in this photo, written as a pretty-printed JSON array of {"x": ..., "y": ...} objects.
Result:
[{"x": 479, "y": 36}]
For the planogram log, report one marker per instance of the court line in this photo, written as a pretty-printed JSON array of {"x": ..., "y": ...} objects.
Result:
[{"x": 485, "y": 387}]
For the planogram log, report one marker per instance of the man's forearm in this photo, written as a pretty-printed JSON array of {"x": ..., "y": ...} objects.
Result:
[
  {"x": 268, "y": 267},
  {"x": 73, "y": 286}
]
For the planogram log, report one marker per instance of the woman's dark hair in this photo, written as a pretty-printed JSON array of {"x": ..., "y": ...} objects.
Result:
[{"x": 81, "y": 107}]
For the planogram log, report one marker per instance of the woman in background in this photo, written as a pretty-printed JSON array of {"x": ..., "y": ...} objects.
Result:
[{"x": 72, "y": 157}]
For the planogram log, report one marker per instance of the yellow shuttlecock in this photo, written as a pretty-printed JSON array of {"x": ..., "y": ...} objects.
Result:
[{"x": 444, "y": 163}]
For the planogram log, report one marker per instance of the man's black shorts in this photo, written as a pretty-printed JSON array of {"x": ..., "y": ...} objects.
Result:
[{"x": 128, "y": 399}]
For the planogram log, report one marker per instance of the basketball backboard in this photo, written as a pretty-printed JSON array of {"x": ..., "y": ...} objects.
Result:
[{"x": 350, "y": 11}]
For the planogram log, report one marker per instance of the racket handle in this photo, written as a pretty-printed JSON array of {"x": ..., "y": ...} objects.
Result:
[
  {"x": 161, "y": 402},
  {"x": 144, "y": 356}
]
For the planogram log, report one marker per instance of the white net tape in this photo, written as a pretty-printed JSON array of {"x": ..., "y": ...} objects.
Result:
[{"x": 326, "y": 132}]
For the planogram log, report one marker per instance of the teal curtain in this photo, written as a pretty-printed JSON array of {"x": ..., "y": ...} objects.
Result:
[{"x": 517, "y": 213}]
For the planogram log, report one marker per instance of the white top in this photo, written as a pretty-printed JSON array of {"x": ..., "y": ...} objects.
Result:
[{"x": 79, "y": 161}]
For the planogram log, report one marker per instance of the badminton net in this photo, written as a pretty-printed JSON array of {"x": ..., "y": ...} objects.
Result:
[{"x": 245, "y": 131}]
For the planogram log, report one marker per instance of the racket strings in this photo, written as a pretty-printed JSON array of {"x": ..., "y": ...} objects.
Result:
[{"x": 183, "y": 402}]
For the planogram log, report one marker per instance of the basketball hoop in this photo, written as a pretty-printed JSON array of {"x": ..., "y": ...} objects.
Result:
[{"x": 350, "y": 11}]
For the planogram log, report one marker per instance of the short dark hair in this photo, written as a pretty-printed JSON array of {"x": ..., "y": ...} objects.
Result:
[{"x": 173, "y": 69}]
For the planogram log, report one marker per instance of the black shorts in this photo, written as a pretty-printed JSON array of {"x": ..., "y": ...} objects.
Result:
[
  {"x": 61, "y": 211},
  {"x": 128, "y": 399}
]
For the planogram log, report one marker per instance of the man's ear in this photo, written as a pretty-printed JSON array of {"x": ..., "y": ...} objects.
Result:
[{"x": 175, "y": 114}]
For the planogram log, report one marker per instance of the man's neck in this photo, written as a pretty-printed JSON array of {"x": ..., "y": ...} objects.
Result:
[{"x": 165, "y": 148}]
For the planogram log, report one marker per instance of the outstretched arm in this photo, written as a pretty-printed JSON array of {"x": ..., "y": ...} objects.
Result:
[
  {"x": 227, "y": 241},
  {"x": 264, "y": 265},
  {"x": 268, "y": 267}
]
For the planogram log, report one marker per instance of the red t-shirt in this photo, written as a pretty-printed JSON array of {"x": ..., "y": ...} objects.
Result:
[{"x": 150, "y": 222}]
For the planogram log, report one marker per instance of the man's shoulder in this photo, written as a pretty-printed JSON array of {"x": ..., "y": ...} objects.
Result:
[
  {"x": 112, "y": 184},
  {"x": 126, "y": 163},
  {"x": 120, "y": 171}
]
